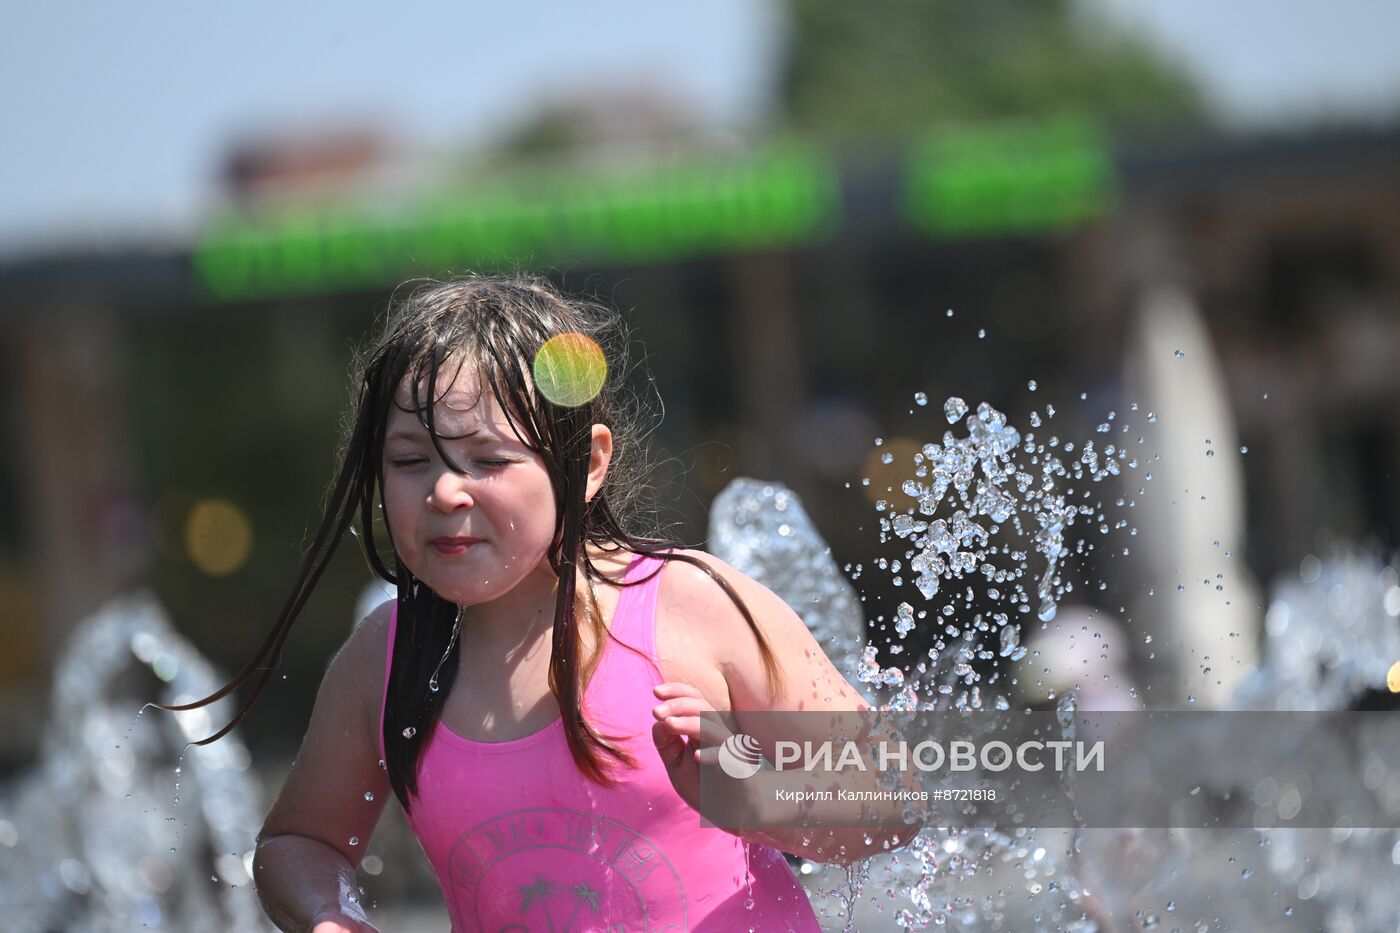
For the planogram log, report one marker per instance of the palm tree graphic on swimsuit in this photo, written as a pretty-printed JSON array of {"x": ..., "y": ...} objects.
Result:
[{"x": 543, "y": 894}]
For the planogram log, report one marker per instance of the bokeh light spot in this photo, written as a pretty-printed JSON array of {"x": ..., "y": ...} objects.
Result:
[
  {"x": 1392, "y": 678},
  {"x": 886, "y": 466},
  {"x": 218, "y": 537},
  {"x": 570, "y": 369}
]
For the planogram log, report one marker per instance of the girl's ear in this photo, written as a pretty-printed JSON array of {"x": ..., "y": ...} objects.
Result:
[{"x": 598, "y": 460}]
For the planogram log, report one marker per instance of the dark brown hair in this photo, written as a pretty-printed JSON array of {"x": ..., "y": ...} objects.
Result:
[{"x": 498, "y": 325}]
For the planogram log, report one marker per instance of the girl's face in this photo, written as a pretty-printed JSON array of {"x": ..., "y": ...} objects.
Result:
[{"x": 471, "y": 537}]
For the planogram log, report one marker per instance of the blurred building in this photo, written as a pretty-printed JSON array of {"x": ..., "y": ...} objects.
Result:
[{"x": 172, "y": 411}]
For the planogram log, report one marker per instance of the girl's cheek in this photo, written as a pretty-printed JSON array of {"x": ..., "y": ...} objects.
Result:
[{"x": 401, "y": 529}]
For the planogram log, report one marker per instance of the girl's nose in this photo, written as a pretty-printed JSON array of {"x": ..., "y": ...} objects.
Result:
[{"x": 450, "y": 493}]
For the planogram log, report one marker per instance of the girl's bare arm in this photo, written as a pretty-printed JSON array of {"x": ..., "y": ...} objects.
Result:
[
  {"x": 317, "y": 831},
  {"x": 722, "y": 662}
]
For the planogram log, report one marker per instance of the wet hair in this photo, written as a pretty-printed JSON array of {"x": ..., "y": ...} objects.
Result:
[{"x": 497, "y": 324}]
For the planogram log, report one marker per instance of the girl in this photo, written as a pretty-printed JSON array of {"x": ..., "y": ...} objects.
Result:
[{"x": 532, "y": 697}]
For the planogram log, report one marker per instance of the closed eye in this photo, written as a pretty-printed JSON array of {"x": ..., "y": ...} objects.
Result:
[{"x": 489, "y": 464}]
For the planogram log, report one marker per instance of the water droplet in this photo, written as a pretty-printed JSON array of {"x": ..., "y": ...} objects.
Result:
[
  {"x": 1010, "y": 638},
  {"x": 920, "y": 399},
  {"x": 409, "y": 732},
  {"x": 1032, "y": 385},
  {"x": 950, "y": 312},
  {"x": 954, "y": 408},
  {"x": 354, "y": 840},
  {"x": 1179, "y": 355},
  {"x": 981, "y": 334},
  {"x": 369, "y": 795},
  {"x": 1244, "y": 449}
]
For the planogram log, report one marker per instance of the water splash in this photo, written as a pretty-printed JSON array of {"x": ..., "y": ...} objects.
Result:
[
  {"x": 937, "y": 879},
  {"x": 986, "y": 506},
  {"x": 762, "y": 529},
  {"x": 91, "y": 851},
  {"x": 1331, "y": 632}
]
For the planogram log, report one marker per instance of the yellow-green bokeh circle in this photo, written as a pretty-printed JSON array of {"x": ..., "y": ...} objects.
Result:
[
  {"x": 218, "y": 537},
  {"x": 570, "y": 369}
]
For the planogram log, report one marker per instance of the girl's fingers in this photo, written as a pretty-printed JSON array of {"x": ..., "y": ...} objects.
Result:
[
  {"x": 671, "y": 749},
  {"x": 675, "y": 688},
  {"x": 696, "y": 728},
  {"x": 682, "y": 710},
  {"x": 681, "y": 706},
  {"x": 685, "y": 715}
]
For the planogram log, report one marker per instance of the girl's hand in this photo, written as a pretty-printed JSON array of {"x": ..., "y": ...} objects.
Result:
[
  {"x": 337, "y": 922},
  {"x": 685, "y": 740}
]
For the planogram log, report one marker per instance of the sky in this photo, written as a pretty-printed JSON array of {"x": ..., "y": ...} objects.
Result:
[
  {"x": 1269, "y": 61},
  {"x": 116, "y": 115}
]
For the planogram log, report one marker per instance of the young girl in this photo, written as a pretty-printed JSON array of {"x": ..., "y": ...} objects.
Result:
[{"x": 532, "y": 697}]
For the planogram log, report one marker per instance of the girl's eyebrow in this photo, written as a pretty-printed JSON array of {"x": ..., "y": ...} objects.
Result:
[{"x": 411, "y": 435}]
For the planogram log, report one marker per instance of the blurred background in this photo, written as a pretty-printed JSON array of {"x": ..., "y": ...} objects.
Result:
[{"x": 808, "y": 211}]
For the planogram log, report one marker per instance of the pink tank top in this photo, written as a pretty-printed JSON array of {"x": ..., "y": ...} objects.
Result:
[{"x": 521, "y": 841}]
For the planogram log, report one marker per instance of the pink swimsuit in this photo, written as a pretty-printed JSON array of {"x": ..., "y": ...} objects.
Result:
[{"x": 522, "y": 841}]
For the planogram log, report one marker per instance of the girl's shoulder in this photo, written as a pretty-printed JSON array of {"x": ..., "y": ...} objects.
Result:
[
  {"x": 698, "y": 620},
  {"x": 361, "y": 660},
  {"x": 700, "y": 624},
  {"x": 371, "y": 634},
  {"x": 689, "y": 625},
  {"x": 685, "y": 584}
]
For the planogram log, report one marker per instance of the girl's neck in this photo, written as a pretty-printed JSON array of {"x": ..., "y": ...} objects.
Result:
[
  {"x": 522, "y": 616},
  {"x": 518, "y": 617}
]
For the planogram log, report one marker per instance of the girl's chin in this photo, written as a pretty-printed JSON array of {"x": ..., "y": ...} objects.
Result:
[
  {"x": 474, "y": 592},
  {"x": 466, "y": 581}
]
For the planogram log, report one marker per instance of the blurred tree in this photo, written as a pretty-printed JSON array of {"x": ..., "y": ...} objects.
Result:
[
  {"x": 884, "y": 68},
  {"x": 604, "y": 123}
]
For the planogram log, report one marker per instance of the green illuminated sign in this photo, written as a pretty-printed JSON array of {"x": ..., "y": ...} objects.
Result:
[
  {"x": 783, "y": 196},
  {"x": 1012, "y": 178},
  {"x": 1028, "y": 177}
]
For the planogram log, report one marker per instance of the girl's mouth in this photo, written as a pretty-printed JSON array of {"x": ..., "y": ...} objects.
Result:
[{"x": 453, "y": 545}]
